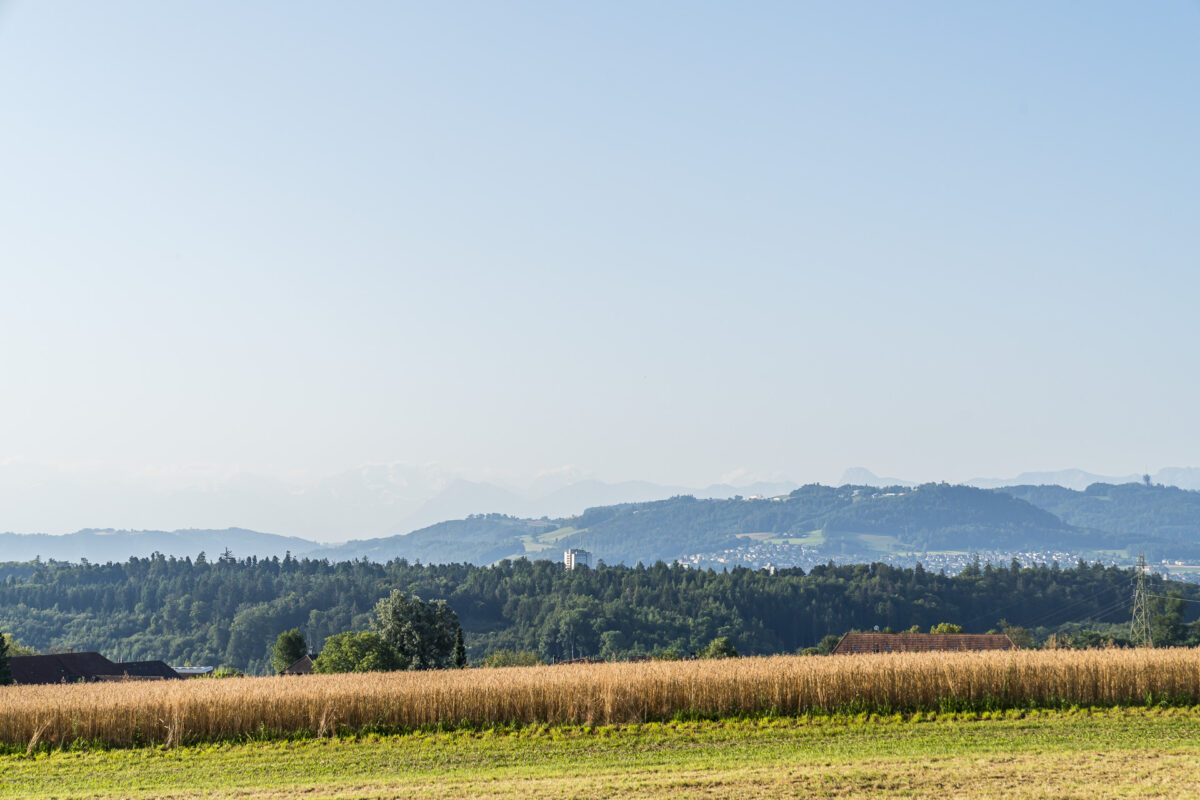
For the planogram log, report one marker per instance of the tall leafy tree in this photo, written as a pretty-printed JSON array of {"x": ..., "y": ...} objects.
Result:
[
  {"x": 289, "y": 648},
  {"x": 1166, "y": 620},
  {"x": 420, "y": 633}
]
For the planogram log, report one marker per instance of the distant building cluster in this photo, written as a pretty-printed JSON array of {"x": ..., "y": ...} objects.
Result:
[{"x": 767, "y": 555}]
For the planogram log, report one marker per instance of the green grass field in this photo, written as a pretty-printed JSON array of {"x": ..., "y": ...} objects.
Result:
[
  {"x": 1146, "y": 753},
  {"x": 532, "y": 545},
  {"x": 811, "y": 539},
  {"x": 558, "y": 534}
]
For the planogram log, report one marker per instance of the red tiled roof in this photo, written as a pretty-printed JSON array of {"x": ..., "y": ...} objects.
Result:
[{"x": 921, "y": 642}]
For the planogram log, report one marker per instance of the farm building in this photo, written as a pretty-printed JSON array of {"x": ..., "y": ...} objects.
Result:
[
  {"x": 853, "y": 643},
  {"x": 85, "y": 667},
  {"x": 303, "y": 666},
  {"x": 148, "y": 669}
]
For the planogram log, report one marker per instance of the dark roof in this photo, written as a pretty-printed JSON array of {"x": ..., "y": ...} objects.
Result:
[
  {"x": 148, "y": 669},
  {"x": 303, "y": 666},
  {"x": 921, "y": 642},
  {"x": 61, "y": 667}
]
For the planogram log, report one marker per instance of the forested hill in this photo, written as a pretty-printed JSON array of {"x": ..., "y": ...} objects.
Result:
[
  {"x": 230, "y": 611},
  {"x": 481, "y": 539},
  {"x": 841, "y": 521},
  {"x": 858, "y": 522},
  {"x": 1143, "y": 516}
]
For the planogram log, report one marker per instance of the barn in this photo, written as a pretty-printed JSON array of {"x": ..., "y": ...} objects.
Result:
[{"x": 84, "y": 667}]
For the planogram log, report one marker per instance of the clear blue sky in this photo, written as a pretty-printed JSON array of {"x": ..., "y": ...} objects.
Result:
[{"x": 660, "y": 240}]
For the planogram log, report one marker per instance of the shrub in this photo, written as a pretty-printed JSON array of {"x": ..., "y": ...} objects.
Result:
[
  {"x": 225, "y": 672},
  {"x": 720, "y": 647},
  {"x": 364, "y": 651}
]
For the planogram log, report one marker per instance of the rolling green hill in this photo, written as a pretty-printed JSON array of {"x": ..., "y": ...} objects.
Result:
[
  {"x": 849, "y": 520},
  {"x": 479, "y": 539},
  {"x": 1163, "y": 521},
  {"x": 843, "y": 521}
]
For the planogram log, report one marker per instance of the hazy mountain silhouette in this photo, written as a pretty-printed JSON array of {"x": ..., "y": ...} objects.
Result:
[
  {"x": 111, "y": 545},
  {"x": 1077, "y": 479}
]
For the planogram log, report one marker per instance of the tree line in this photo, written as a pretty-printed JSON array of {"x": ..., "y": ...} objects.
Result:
[{"x": 230, "y": 611}]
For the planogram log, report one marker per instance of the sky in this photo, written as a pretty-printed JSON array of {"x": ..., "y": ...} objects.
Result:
[{"x": 675, "y": 241}]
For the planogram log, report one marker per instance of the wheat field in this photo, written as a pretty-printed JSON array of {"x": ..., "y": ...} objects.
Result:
[{"x": 179, "y": 712}]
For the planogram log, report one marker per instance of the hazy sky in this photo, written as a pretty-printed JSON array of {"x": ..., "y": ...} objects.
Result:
[{"x": 664, "y": 241}]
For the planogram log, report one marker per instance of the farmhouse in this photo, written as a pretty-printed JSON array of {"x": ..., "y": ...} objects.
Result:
[
  {"x": 853, "y": 643},
  {"x": 84, "y": 667},
  {"x": 303, "y": 666}
]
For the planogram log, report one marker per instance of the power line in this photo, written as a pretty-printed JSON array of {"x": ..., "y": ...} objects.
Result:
[
  {"x": 1057, "y": 611},
  {"x": 1173, "y": 597}
]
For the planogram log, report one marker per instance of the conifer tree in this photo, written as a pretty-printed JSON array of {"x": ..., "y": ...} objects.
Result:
[
  {"x": 460, "y": 650},
  {"x": 5, "y": 670}
]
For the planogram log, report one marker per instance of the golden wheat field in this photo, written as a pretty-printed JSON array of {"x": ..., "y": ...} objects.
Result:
[{"x": 177, "y": 712}]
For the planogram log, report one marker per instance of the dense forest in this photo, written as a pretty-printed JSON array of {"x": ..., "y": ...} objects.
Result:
[{"x": 228, "y": 611}]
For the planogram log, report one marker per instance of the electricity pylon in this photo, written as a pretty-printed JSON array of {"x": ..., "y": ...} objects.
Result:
[{"x": 1139, "y": 628}]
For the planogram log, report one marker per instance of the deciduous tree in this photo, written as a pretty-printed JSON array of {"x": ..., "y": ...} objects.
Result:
[
  {"x": 290, "y": 647},
  {"x": 720, "y": 647},
  {"x": 420, "y": 634},
  {"x": 355, "y": 652}
]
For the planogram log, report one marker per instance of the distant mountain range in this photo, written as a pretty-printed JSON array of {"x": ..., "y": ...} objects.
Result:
[
  {"x": 1181, "y": 477},
  {"x": 369, "y": 501},
  {"x": 857, "y": 522},
  {"x": 109, "y": 545}
]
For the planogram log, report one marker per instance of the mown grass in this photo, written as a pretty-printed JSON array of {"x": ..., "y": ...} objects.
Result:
[
  {"x": 1083, "y": 753},
  {"x": 177, "y": 713}
]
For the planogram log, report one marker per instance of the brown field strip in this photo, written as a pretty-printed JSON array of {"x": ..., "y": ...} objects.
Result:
[{"x": 178, "y": 712}]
